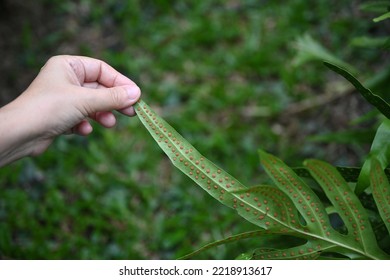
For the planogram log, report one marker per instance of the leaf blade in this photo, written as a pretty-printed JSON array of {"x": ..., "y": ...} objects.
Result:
[
  {"x": 350, "y": 174},
  {"x": 348, "y": 206},
  {"x": 308, "y": 49},
  {"x": 182, "y": 154},
  {"x": 230, "y": 239},
  {"x": 303, "y": 197},
  {"x": 372, "y": 98},
  {"x": 382, "y": 17},
  {"x": 380, "y": 149},
  {"x": 381, "y": 191},
  {"x": 311, "y": 250},
  {"x": 280, "y": 213},
  {"x": 250, "y": 203}
]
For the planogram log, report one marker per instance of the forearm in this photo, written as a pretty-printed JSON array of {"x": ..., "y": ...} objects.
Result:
[{"x": 17, "y": 135}]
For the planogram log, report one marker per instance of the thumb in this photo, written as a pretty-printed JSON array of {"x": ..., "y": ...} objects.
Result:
[{"x": 115, "y": 98}]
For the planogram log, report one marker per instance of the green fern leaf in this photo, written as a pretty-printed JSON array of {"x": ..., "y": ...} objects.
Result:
[
  {"x": 290, "y": 208},
  {"x": 258, "y": 205},
  {"x": 348, "y": 206},
  {"x": 308, "y": 49},
  {"x": 303, "y": 197},
  {"x": 372, "y": 98},
  {"x": 381, "y": 191},
  {"x": 380, "y": 149},
  {"x": 382, "y": 17},
  {"x": 310, "y": 206},
  {"x": 231, "y": 239},
  {"x": 186, "y": 158},
  {"x": 350, "y": 174},
  {"x": 311, "y": 250}
]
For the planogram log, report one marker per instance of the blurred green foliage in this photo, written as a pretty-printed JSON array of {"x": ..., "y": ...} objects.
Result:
[{"x": 222, "y": 74}]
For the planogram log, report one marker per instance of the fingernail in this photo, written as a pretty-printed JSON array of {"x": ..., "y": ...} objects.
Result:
[{"x": 133, "y": 92}]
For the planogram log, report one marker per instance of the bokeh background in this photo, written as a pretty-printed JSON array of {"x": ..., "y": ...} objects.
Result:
[{"x": 231, "y": 76}]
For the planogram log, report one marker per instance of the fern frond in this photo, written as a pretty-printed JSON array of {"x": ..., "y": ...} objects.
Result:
[{"x": 290, "y": 207}]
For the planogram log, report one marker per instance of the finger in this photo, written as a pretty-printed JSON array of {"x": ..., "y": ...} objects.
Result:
[
  {"x": 107, "y": 99},
  {"x": 83, "y": 128},
  {"x": 94, "y": 70},
  {"x": 93, "y": 85},
  {"x": 129, "y": 111},
  {"x": 106, "y": 119}
]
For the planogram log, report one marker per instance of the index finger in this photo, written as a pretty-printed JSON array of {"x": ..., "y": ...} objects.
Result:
[{"x": 89, "y": 70}]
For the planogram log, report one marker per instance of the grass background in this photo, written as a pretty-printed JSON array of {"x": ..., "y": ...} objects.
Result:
[{"x": 223, "y": 74}]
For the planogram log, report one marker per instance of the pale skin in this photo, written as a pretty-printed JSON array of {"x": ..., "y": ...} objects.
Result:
[{"x": 68, "y": 92}]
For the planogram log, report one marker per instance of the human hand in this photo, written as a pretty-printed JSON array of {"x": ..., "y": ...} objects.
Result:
[{"x": 67, "y": 92}]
